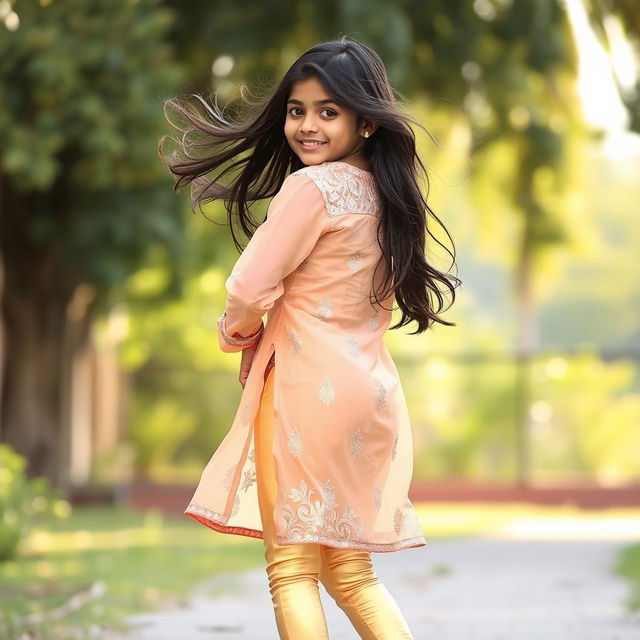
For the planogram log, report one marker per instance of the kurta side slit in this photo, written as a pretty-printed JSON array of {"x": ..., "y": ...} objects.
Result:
[{"x": 212, "y": 519}]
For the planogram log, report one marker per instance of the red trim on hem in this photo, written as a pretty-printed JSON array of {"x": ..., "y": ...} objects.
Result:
[{"x": 240, "y": 531}]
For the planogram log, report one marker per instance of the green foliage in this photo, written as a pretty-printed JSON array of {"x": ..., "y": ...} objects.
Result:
[
  {"x": 171, "y": 351},
  {"x": 24, "y": 502},
  {"x": 463, "y": 419},
  {"x": 83, "y": 86},
  {"x": 158, "y": 427},
  {"x": 585, "y": 417}
]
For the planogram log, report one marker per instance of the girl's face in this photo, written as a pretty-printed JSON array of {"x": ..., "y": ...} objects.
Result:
[{"x": 333, "y": 131}]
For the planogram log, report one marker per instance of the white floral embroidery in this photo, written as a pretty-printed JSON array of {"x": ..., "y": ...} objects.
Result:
[
  {"x": 411, "y": 522},
  {"x": 294, "y": 443},
  {"x": 325, "y": 309},
  {"x": 311, "y": 519},
  {"x": 326, "y": 392},
  {"x": 286, "y": 514},
  {"x": 354, "y": 261},
  {"x": 345, "y": 188},
  {"x": 295, "y": 341},
  {"x": 356, "y": 443},
  {"x": 202, "y": 511},
  {"x": 249, "y": 476},
  {"x": 229, "y": 339},
  {"x": 397, "y": 521},
  {"x": 354, "y": 351},
  {"x": 228, "y": 478},
  {"x": 236, "y": 505},
  {"x": 395, "y": 448},
  {"x": 377, "y": 496},
  {"x": 381, "y": 393},
  {"x": 248, "y": 479},
  {"x": 373, "y": 320}
]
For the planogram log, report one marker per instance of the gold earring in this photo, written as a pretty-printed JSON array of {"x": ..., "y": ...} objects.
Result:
[{"x": 366, "y": 134}]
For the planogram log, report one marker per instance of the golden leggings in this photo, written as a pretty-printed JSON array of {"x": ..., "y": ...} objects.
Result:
[{"x": 293, "y": 570}]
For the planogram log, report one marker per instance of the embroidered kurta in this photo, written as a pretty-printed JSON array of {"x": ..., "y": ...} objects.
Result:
[{"x": 342, "y": 439}]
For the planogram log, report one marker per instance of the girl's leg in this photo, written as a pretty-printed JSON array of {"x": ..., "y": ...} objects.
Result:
[
  {"x": 348, "y": 577},
  {"x": 292, "y": 569}
]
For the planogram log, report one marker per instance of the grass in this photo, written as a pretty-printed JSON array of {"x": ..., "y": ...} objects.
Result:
[
  {"x": 149, "y": 561},
  {"x": 145, "y": 560},
  {"x": 628, "y": 567}
]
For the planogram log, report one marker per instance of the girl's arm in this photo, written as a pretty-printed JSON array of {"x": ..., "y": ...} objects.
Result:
[{"x": 296, "y": 219}]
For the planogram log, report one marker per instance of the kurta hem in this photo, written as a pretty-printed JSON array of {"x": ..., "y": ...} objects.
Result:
[
  {"x": 195, "y": 512},
  {"x": 206, "y": 517}
]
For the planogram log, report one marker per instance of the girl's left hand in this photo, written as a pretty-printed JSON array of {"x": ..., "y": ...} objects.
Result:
[{"x": 245, "y": 365}]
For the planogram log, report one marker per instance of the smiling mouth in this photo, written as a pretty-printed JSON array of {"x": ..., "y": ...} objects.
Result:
[{"x": 311, "y": 145}]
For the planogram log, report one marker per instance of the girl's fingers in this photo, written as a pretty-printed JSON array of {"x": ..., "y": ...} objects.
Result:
[{"x": 245, "y": 364}]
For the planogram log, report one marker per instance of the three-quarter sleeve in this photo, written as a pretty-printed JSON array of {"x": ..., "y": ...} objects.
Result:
[{"x": 296, "y": 219}]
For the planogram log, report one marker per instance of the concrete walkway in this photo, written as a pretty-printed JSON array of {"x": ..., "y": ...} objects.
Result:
[{"x": 522, "y": 584}]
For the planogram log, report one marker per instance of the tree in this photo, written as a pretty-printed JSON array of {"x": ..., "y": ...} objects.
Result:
[{"x": 83, "y": 194}]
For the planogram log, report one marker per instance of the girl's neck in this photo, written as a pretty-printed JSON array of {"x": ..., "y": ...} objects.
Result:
[{"x": 357, "y": 160}]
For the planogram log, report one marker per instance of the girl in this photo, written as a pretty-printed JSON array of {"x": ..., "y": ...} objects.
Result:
[{"x": 318, "y": 460}]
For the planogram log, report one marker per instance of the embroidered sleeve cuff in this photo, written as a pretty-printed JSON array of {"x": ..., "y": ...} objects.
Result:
[{"x": 245, "y": 341}]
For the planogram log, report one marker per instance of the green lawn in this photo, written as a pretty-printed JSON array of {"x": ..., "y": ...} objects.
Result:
[
  {"x": 629, "y": 568},
  {"x": 145, "y": 560},
  {"x": 148, "y": 561}
]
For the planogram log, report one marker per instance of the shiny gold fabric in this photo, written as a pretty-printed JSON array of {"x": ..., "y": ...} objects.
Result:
[{"x": 293, "y": 570}]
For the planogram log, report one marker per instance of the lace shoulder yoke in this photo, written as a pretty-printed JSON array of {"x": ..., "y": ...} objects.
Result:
[{"x": 345, "y": 188}]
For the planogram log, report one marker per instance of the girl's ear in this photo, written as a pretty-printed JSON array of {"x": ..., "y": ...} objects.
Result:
[{"x": 367, "y": 127}]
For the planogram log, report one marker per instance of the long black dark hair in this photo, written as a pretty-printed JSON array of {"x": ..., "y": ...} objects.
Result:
[{"x": 254, "y": 158}]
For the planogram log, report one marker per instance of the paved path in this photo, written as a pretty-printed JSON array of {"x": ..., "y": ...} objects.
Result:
[{"x": 542, "y": 585}]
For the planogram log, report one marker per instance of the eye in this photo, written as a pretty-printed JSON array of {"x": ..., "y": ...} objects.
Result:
[
  {"x": 293, "y": 109},
  {"x": 332, "y": 112}
]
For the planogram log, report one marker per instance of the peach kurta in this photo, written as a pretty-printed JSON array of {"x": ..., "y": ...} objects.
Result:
[{"x": 342, "y": 441}]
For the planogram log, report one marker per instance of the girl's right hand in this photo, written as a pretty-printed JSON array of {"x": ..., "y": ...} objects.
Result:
[{"x": 245, "y": 364}]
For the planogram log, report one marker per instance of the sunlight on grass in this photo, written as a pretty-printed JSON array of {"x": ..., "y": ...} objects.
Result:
[
  {"x": 145, "y": 559},
  {"x": 524, "y": 520},
  {"x": 628, "y": 566}
]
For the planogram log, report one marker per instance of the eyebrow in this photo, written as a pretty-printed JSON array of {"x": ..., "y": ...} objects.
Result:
[{"x": 327, "y": 101}]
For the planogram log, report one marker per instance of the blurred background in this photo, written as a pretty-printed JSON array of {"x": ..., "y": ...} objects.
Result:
[{"x": 113, "y": 390}]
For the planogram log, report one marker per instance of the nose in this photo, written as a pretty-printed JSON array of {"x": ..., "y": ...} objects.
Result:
[{"x": 308, "y": 124}]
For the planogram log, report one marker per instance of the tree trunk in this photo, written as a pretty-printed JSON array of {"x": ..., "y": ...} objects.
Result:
[
  {"x": 36, "y": 291},
  {"x": 526, "y": 345},
  {"x": 32, "y": 379}
]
